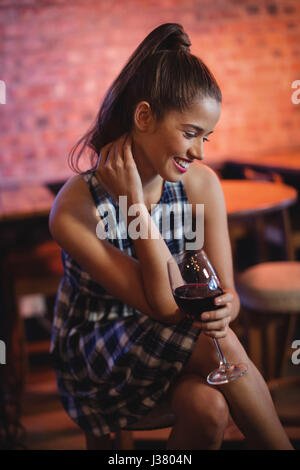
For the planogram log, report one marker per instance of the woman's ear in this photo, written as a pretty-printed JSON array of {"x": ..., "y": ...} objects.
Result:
[{"x": 143, "y": 117}]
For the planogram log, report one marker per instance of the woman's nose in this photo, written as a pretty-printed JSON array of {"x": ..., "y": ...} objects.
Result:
[{"x": 196, "y": 150}]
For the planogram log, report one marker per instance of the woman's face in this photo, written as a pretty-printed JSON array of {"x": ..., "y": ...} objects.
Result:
[{"x": 168, "y": 147}]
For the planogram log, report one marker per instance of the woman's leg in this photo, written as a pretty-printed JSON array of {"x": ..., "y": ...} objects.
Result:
[
  {"x": 201, "y": 414},
  {"x": 248, "y": 397}
]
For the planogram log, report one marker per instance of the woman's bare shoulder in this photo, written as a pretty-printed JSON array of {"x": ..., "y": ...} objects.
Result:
[
  {"x": 73, "y": 201},
  {"x": 201, "y": 183},
  {"x": 74, "y": 192}
]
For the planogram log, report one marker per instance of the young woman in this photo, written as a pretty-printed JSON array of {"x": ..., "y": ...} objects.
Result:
[{"x": 120, "y": 344}]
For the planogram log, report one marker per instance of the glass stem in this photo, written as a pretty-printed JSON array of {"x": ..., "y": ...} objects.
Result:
[{"x": 219, "y": 352}]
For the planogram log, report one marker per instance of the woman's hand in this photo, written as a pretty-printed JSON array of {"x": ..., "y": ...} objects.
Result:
[
  {"x": 117, "y": 171},
  {"x": 215, "y": 322}
]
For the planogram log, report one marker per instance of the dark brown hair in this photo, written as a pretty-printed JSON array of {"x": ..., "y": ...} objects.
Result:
[{"x": 161, "y": 71}]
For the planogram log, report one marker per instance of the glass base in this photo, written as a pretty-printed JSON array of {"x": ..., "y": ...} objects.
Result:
[{"x": 226, "y": 373}]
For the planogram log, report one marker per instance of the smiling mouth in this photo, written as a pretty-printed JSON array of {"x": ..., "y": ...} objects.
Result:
[{"x": 181, "y": 164}]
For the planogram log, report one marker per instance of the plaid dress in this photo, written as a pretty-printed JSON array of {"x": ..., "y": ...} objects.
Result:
[{"x": 113, "y": 363}]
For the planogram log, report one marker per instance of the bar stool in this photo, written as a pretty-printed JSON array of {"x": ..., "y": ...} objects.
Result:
[
  {"x": 159, "y": 417},
  {"x": 270, "y": 300},
  {"x": 36, "y": 270}
]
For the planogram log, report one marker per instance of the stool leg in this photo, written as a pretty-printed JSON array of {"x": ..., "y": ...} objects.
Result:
[
  {"x": 287, "y": 235},
  {"x": 124, "y": 440},
  {"x": 261, "y": 245},
  {"x": 271, "y": 350},
  {"x": 291, "y": 328},
  {"x": 279, "y": 338},
  {"x": 255, "y": 347},
  {"x": 98, "y": 443},
  {"x": 16, "y": 341},
  {"x": 269, "y": 337},
  {"x": 254, "y": 339}
]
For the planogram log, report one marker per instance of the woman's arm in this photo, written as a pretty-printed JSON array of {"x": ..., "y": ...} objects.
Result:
[
  {"x": 73, "y": 221},
  {"x": 203, "y": 187},
  {"x": 72, "y": 224},
  {"x": 118, "y": 173}
]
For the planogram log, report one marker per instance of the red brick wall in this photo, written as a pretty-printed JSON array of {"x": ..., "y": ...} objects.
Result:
[{"x": 58, "y": 57}]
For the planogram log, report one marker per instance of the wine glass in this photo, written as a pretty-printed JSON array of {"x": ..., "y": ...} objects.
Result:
[{"x": 195, "y": 285}]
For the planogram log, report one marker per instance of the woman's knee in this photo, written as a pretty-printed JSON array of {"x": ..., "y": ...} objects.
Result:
[{"x": 199, "y": 407}]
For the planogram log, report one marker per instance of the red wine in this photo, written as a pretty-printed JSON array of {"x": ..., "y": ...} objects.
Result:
[{"x": 194, "y": 299}]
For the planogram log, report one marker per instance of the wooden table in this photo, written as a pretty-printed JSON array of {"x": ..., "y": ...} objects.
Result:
[
  {"x": 250, "y": 201},
  {"x": 250, "y": 198},
  {"x": 24, "y": 201}
]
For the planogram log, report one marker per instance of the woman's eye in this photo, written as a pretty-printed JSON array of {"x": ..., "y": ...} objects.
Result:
[{"x": 190, "y": 135}]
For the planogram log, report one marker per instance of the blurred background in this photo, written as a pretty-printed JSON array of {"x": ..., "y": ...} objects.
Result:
[{"x": 57, "y": 59}]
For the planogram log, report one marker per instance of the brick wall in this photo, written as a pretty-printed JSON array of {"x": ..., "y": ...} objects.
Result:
[{"x": 58, "y": 57}]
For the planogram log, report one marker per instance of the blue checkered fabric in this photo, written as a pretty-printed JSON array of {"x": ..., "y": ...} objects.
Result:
[{"x": 113, "y": 363}]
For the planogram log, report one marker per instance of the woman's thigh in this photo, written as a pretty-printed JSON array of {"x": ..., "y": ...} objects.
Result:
[{"x": 204, "y": 357}]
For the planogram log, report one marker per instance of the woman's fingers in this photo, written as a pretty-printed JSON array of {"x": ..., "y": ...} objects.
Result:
[
  {"x": 214, "y": 325},
  {"x": 216, "y": 334},
  {"x": 215, "y": 314},
  {"x": 117, "y": 171},
  {"x": 104, "y": 153},
  {"x": 110, "y": 156},
  {"x": 214, "y": 320},
  {"x": 119, "y": 148},
  {"x": 224, "y": 299},
  {"x": 128, "y": 157},
  {"x": 111, "y": 152}
]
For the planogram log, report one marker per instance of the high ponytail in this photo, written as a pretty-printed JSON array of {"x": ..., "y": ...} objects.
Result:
[{"x": 161, "y": 71}]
